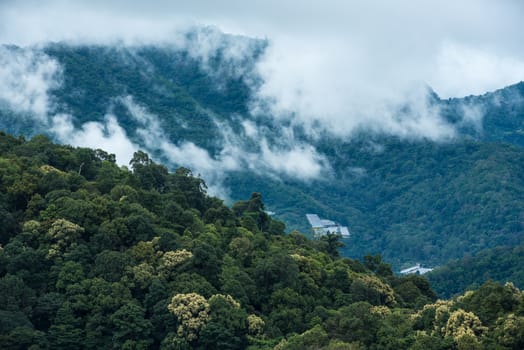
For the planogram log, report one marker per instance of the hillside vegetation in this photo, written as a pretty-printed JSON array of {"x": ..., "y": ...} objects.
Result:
[
  {"x": 503, "y": 264},
  {"x": 99, "y": 256},
  {"x": 410, "y": 200}
]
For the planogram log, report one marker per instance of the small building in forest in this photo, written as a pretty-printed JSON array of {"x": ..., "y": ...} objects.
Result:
[
  {"x": 322, "y": 227},
  {"x": 415, "y": 269}
]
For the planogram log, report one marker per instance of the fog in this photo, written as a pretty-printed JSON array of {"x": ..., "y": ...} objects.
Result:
[{"x": 333, "y": 66}]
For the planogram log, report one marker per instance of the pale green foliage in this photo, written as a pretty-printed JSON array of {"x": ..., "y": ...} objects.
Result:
[
  {"x": 281, "y": 345},
  {"x": 146, "y": 251},
  {"x": 386, "y": 293},
  {"x": 174, "y": 258},
  {"x": 340, "y": 345},
  {"x": 510, "y": 331},
  {"x": 46, "y": 168},
  {"x": 441, "y": 310},
  {"x": 314, "y": 338},
  {"x": 62, "y": 234},
  {"x": 228, "y": 298},
  {"x": 463, "y": 323},
  {"x": 192, "y": 312},
  {"x": 380, "y": 310},
  {"x": 31, "y": 226},
  {"x": 143, "y": 274},
  {"x": 309, "y": 266},
  {"x": 255, "y": 324},
  {"x": 240, "y": 248}
]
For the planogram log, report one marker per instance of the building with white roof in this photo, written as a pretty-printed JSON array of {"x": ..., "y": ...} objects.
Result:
[
  {"x": 322, "y": 227},
  {"x": 416, "y": 269}
]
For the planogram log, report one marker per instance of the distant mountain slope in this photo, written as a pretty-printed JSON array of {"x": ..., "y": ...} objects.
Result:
[
  {"x": 97, "y": 256},
  {"x": 502, "y": 264},
  {"x": 172, "y": 84},
  {"x": 411, "y": 200},
  {"x": 498, "y": 115}
]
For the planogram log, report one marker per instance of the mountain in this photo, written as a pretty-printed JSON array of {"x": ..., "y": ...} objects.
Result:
[
  {"x": 502, "y": 264},
  {"x": 498, "y": 115},
  {"x": 410, "y": 199},
  {"x": 426, "y": 201},
  {"x": 94, "y": 256}
]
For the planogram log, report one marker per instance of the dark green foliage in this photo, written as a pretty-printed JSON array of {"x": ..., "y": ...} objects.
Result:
[
  {"x": 412, "y": 201},
  {"x": 130, "y": 328},
  {"x": 491, "y": 301},
  {"x": 227, "y": 327},
  {"x": 98, "y": 263},
  {"x": 502, "y": 264}
]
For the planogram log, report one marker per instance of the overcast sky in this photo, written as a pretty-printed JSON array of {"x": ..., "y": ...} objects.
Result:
[{"x": 457, "y": 47}]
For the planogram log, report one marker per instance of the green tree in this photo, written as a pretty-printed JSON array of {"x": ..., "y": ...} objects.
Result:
[
  {"x": 130, "y": 328},
  {"x": 192, "y": 312},
  {"x": 227, "y": 325}
]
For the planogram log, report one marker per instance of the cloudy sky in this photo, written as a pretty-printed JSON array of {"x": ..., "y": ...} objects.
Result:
[
  {"x": 345, "y": 64},
  {"x": 457, "y": 47}
]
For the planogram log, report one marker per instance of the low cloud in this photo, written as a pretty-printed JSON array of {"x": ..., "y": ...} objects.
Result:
[
  {"x": 334, "y": 66},
  {"x": 26, "y": 78},
  {"x": 300, "y": 161},
  {"x": 472, "y": 115},
  {"x": 293, "y": 159},
  {"x": 109, "y": 136},
  {"x": 275, "y": 152},
  {"x": 207, "y": 43},
  {"x": 337, "y": 68},
  {"x": 29, "y": 77},
  {"x": 464, "y": 70},
  {"x": 343, "y": 103}
]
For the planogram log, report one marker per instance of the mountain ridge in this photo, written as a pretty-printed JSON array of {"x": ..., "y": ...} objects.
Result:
[{"x": 181, "y": 110}]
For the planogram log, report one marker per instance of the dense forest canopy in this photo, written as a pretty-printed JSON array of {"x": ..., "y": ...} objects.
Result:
[
  {"x": 500, "y": 264},
  {"x": 94, "y": 255}
]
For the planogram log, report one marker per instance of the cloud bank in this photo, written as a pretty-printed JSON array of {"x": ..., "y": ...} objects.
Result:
[
  {"x": 390, "y": 42},
  {"x": 26, "y": 78},
  {"x": 292, "y": 159},
  {"x": 343, "y": 65},
  {"x": 30, "y": 76},
  {"x": 108, "y": 136},
  {"x": 334, "y": 66}
]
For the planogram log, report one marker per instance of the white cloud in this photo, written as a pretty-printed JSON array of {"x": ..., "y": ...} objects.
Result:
[
  {"x": 295, "y": 160},
  {"x": 253, "y": 150},
  {"x": 26, "y": 78},
  {"x": 186, "y": 154},
  {"x": 342, "y": 98},
  {"x": 108, "y": 136},
  {"x": 344, "y": 65},
  {"x": 302, "y": 162},
  {"x": 472, "y": 115},
  {"x": 333, "y": 66},
  {"x": 463, "y": 70}
]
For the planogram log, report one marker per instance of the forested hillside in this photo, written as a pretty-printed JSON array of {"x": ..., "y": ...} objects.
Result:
[
  {"x": 412, "y": 201},
  {"x": 503, "y": 264},
  {"x": 409, "y": 199},
  {"x": 99, "y": 256},
  {"x": 499, "y": 115}
]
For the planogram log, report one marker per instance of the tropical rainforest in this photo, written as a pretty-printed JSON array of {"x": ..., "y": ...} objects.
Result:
[
  {"x": 98, "y": 256},
  {"x": 104, "y": 251}
]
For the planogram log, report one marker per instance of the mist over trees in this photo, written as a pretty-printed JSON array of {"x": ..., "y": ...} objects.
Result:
[{"x": 410, "y": 198}]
